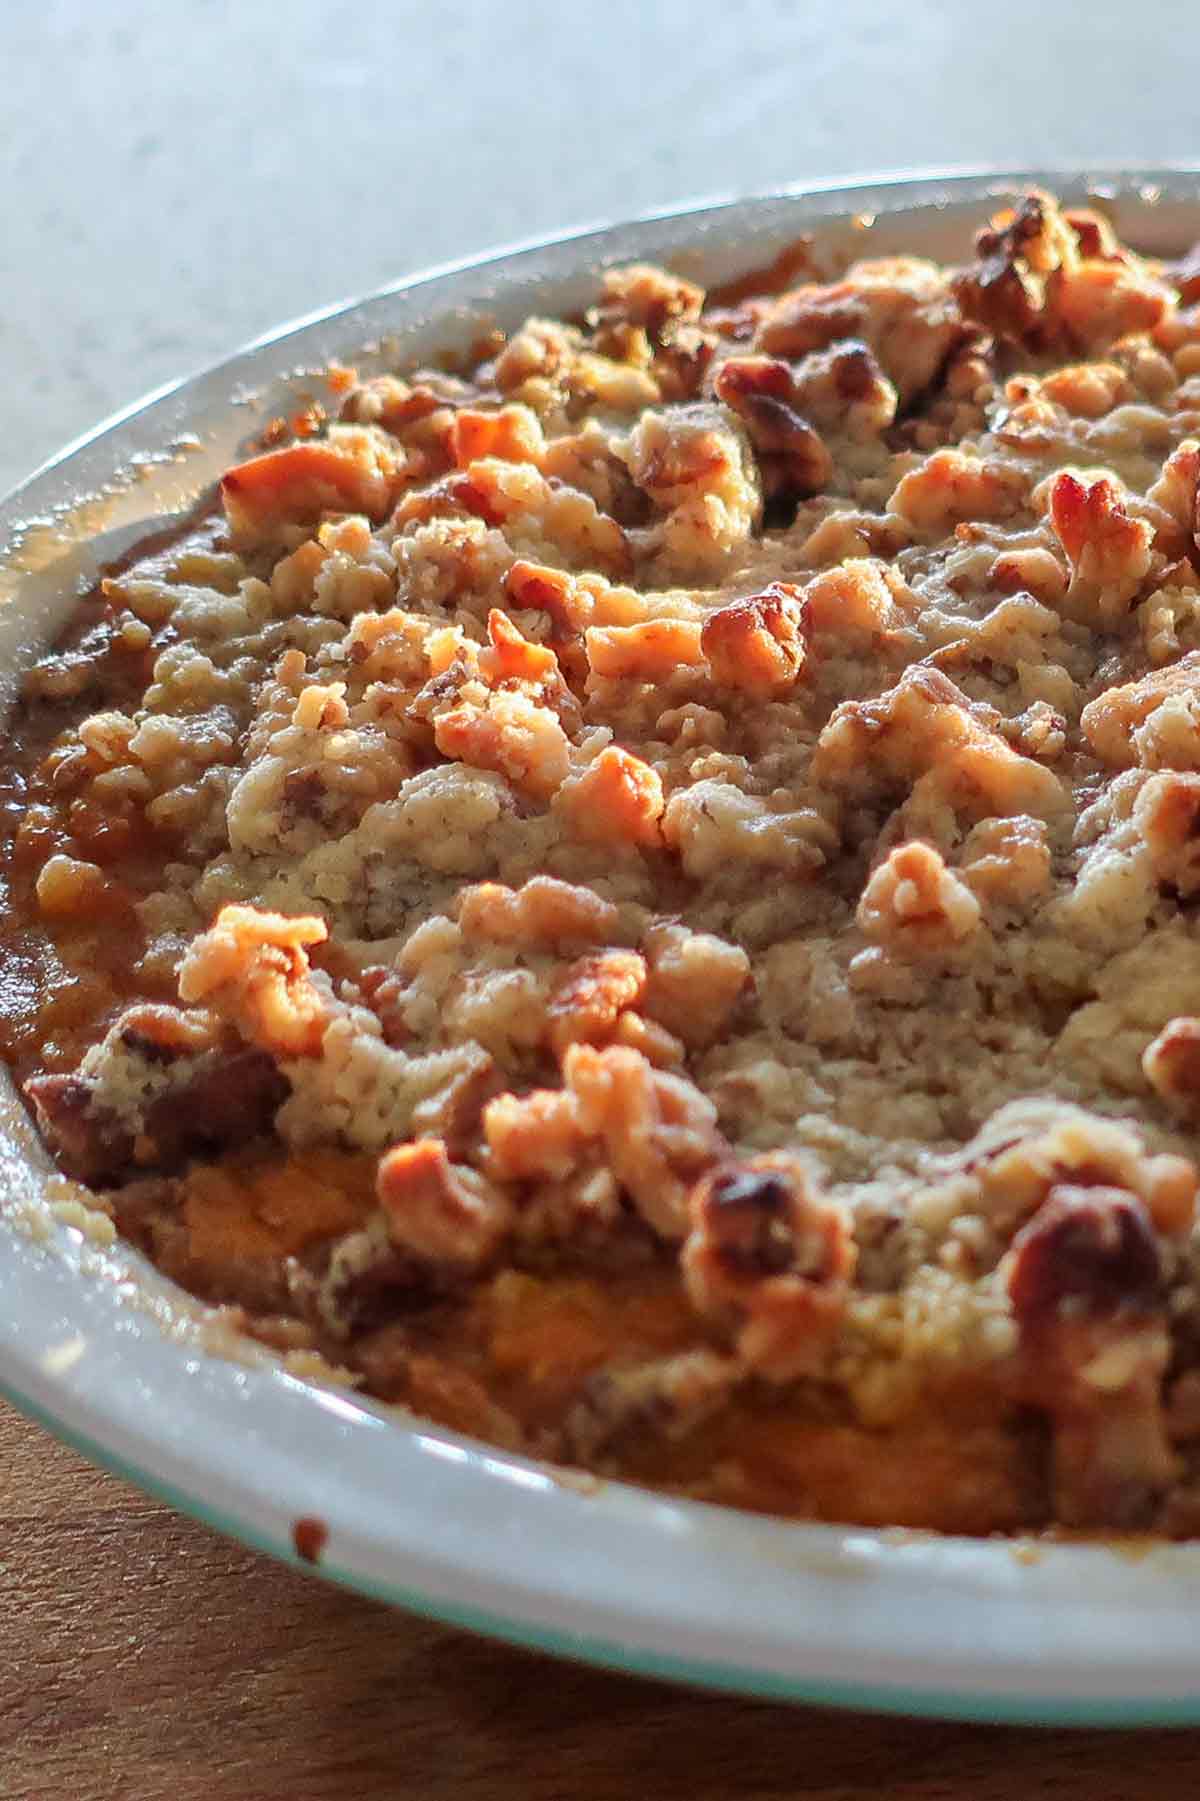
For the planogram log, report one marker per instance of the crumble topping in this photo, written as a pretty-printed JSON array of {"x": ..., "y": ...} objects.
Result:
[{"x": 639, "y": 896}]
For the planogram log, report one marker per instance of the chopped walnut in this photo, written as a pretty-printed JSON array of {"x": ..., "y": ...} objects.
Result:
[
  {"x": 1007, "y": 861},
  {"x": 770, "y": 1260},
  {"x": 695, "y": 465},
  {"x": 440, "y": 1213},
  {"x": 899, "y": 306},
  {"x": 1172, "y": 1065},
  {"x": 543, "y": 912},
  {"x": 511, "y": 734},
  {"x": 251, "y": 967},
  {"x": 591, "y": 995},
  {"x": 1033, "y": 571},
  {"x": 654, "y": 299},
  {"x": 617, "y": 798},
  {"x": 852, "y": 601},
  {"x": 511, "y": 433},
  {"x": 658, "y": 1130},
  {"x": 950, "y": 486},
  {"x": 1111, "y": 723},
  {"x": 1109, "y": 553},
  {"x": 694, "y": 982},
  {"x": 762, "y": 392},
  {"x": 1027, "y": 1147},
  {"x": 758, "y": 644},
  {"x": 1085, "y": 1280},
  {"x": 533, "y": 1135},
  {"x": 1039, "y": 281},
  {"x": 350, "y": 471},
  {"x": 915, "y": 906},
  {"x": 649, "y": 652},
  {"x": 925, "y": 726},
  {"x": 844, "y": 389},
  {"x": 1167, "y": 817},
  {"x": 1177, "y": 492}
]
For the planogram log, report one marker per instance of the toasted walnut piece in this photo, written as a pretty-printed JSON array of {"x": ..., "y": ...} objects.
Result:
[
  {"x": 655, "y": 299},
  {"x": 950, "y": 486},
  {"x": 1005, "y": 290},
  {"x": 350, "y": 471},
  {"x": 543, "y": 911},
  {"x": 925, "y": 725},
  {"x": 762, "y": 392},
  {"x": 758, "y": 644},
  {"x": 1177, "y": 492},
  {"x": 914, "y": 905},
  {"x": 439, "y": 1212},
  {"x": 1111, "y": 722},
  {"x": 658, "y": 1130},
  {"x": 538, "y": 586},
  {"x": 511, "y": 734},
  {"x": 1033, "y": 571},
  {"x": 694, "y": 982},
  {"x": 1007, "y": 861},
  {"x": 1029, "y": 1146},
  {"x": 899, "y": 306},
  {"x": 616, "y": 799},
  {"x": 1086, "y": 1250},
  {"x": 849, "y": 533},
  {"x": 533, "y": 1135},
  {"x": 649, "y": 652},
  {"x": 511, "y": 657},
  {"x": 321, "y": 708},
  {"x": 251, "y": 967},
  {"x": 769, "y": 1260},
  {"x": 590, "y": 996},
  {"x": 512, "y": 433},
  {"x": 1109, "y": 552},
  {"x": 209, "y": 1103},
  {"x": 1099, "y": 302},
  {"x": 1088, "y": 390},
  {"x": 844, "y": 389},
  {"x": 1172, "y": 1065},
  {"x": 649, "y": 1039},
  {"x": 851, "y": 601},
  {"x": 1167, "y": 817},
  {"x": 1085, "y": 1280}
]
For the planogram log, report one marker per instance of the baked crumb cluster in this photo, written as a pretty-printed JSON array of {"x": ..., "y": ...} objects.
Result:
[{"x": 639, "y": 899}]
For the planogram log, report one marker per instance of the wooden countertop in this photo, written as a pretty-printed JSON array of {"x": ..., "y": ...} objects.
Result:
[{"x": 145, "y": 1657}]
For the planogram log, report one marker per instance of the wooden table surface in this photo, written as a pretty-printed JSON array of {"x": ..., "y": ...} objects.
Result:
[{"x": 145, "y": 1657}]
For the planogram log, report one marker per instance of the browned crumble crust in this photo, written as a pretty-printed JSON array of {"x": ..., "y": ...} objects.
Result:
[{"x": 640, "y": 897}]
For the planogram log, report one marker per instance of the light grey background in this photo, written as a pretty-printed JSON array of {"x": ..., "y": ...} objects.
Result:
[{"x": 177, "y": 176}]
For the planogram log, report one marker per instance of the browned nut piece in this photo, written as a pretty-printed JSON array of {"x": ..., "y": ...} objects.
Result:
[
  {"x": 591, "y": 996},
  {"x": 251, "y": 966},
  {"x": 758, "y": 644},
  {"x": 439, "y": 1212},
  {"x": 1172, "y": 1064},
  {"x": 1109, "y": 552},
  {"x": 915, "y": 905},
  {"x": 761, "y": 390},
  {"x": 1093, "y": 1248},
  {"x": 1086, "y": 1284},
  {"x": 1167, "y": 814},
  {"x": 533, "y": 1135},
  {"x": 617, "y": 799},
  {"x": 769, "y": 1259}
]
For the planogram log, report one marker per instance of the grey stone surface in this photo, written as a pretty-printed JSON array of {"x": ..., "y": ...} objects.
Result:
[{"x": 178, "y": 177}]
